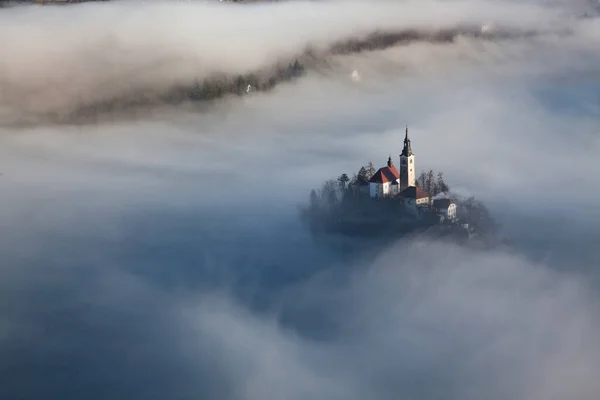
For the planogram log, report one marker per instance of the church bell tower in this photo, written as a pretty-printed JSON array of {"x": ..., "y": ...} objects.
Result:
[{"x": 407, "y": 164}]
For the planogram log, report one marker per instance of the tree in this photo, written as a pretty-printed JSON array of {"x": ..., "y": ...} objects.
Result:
[
  {"x": 370, "y": 170},
  {"x": 332, "y": 198},
  {"x": 434, "y": 189},
  {"x": 363, "y": 174},
  {"x": 314, "y": 200},
  {"x": 476, "y": 214},
  {"x": 441, "y": 185},
  {"x": 343, "y": 181},
  {"x": 353, "y": 181},
  {"x": 328, "y": 187},
  {"x": 429, "y": 182},
  {"x": 422, "y": 180}
]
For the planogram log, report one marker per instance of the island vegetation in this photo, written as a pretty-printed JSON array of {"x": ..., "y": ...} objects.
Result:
[{"x": 343, "y": 206}]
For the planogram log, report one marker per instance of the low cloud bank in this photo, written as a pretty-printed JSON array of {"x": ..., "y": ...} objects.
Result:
[
  {"x": 68, "y": 62},
  {"x": 426, "y": 320},
  {"x": 447, "y": 324}
]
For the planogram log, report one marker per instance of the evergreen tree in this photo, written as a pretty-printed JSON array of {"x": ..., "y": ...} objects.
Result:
[
  {"x": 332, "y": 198},
  {"x": 441, "y": 185},
  {"x": 343, "y": 181},
  {"x": 363, "y": 174}
]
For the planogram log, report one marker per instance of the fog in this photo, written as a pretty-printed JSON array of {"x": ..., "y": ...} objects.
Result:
[
  {"x": 132, "y": 52},
  {"x": 154, "y": 250}
]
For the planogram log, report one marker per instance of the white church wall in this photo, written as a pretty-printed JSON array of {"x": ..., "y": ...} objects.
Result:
[
  {"x": 373, "y": 189},
  {"x": 381, "y": 189}
]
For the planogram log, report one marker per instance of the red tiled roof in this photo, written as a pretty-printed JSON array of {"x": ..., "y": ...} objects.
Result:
[
  {"x": 413, "y": 192},
  {"x": 385, "y": 174}
]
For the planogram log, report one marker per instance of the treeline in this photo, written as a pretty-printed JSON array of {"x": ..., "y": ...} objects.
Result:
[
  {"x": 209, "y": 89},
  {"x": 332, "y": 192},
  {"x": 328, "y": 197},
  {"x": 217, "y": 87},
  {"x": 432, "y": 183}
]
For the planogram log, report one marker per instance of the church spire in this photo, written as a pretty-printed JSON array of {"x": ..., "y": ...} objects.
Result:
[
  {"x": 406, "y": 151},
  {"x": 390, "y": 163}
]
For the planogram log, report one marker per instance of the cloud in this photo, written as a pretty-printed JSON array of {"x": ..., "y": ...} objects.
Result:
[
  {"x": 442, "y": 323},
  {"x": 159, "y": 254},
  {"x": 425, "y": 319},
  {"x": 102, "y": 57}
]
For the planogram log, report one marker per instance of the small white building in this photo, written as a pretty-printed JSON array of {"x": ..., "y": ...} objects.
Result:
[
  {"x": 445, "y": 207},
  {"x": 415, "y": 197},
  {"x": 415, "y": 200},
  {"x": 385, "y": 182}
]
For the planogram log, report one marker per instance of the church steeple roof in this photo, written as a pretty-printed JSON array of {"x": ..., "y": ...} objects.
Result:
[{"x": 407, "y": 150}]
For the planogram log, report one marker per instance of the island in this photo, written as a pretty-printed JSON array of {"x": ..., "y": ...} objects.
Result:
[{"x": 390, "y": 203}]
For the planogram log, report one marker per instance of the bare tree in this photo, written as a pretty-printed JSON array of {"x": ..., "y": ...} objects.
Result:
[
  {"x": 422, "y": 180},
  {"x": 429, "y": 181},
  {"x": 370, "y": 170}
]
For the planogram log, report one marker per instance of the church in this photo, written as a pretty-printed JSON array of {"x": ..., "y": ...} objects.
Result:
[{"x": 389, "y": 182}]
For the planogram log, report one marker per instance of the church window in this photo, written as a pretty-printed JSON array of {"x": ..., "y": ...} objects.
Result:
[{"x": 411, "y": 160}]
